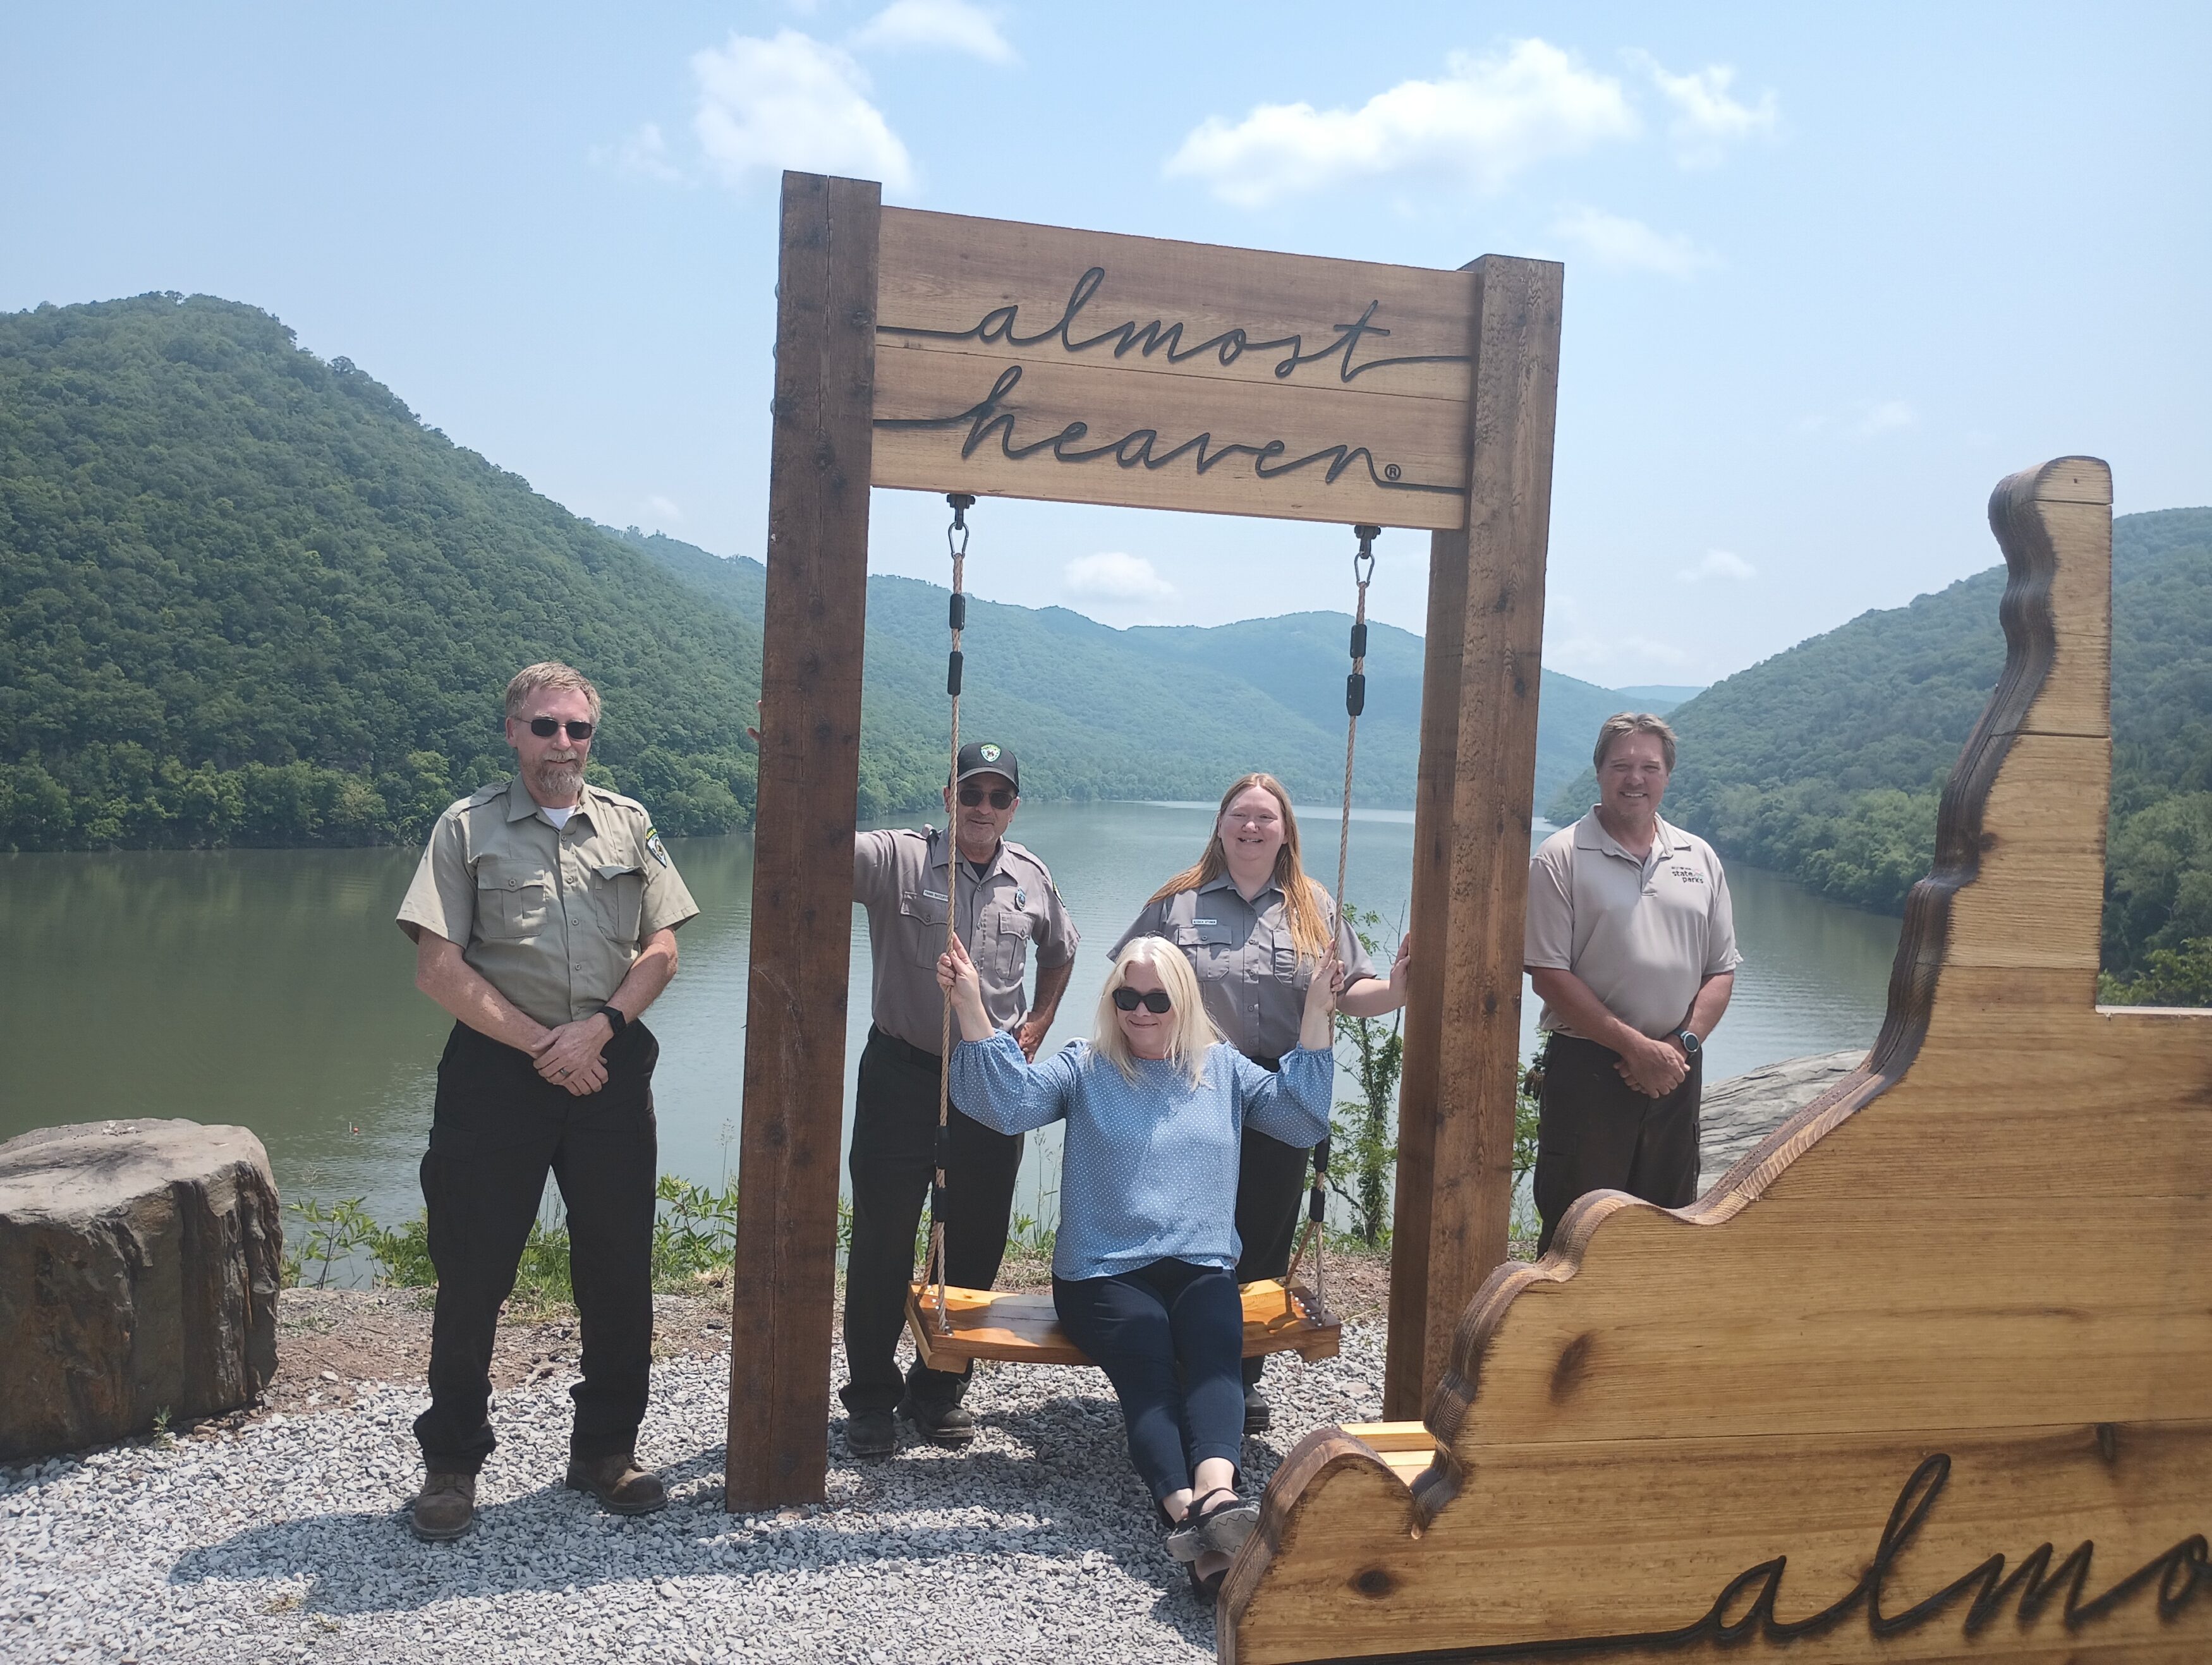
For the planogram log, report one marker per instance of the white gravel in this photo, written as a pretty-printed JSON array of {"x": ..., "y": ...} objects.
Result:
[{"x": 287, "y": 1540}]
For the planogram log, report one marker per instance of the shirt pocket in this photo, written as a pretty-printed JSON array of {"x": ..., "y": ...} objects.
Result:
[
  {"x": 1207, "y": 946},
  {"x": 513, "y": 899},
  {"x": 618, "y": 899},
  {"x": 921, "y": 927},
  {"x": 1289, "y": 963},
  {"x": 1006, "y": 940}
]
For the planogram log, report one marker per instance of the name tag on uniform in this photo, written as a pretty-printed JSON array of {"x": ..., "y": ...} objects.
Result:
[
  {"x": 935, "y": 896},
  {"x": 1206, "y": 922}
]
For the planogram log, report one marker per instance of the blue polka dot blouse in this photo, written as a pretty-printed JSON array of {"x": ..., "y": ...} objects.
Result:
[{"x": 1150, "y": 1168}]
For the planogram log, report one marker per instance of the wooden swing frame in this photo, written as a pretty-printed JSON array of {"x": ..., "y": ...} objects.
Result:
[{"x": 885, "y": 376}]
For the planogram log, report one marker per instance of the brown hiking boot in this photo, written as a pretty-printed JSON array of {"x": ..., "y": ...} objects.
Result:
[
  {"x": 445, "y": 1509},
  {"x": 621, "y": 1487}
]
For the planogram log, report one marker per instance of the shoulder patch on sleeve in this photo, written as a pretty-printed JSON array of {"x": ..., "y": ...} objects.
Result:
[{"x": 653, "y": 844}]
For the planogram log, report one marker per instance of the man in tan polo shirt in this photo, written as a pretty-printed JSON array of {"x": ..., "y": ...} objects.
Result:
[
  {"x": 1631, "y": 944},
  {"x": 543, "y": 917}
]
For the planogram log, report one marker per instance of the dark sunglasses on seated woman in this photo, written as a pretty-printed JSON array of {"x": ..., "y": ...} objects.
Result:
[
  {"x": 546, "y": 728},
  {"x": 1158, "y": 1000},
  {"x": 1000, "y": 798}
]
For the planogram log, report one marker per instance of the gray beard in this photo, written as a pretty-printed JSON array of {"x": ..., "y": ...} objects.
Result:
[{"x": 560, "y": 780}]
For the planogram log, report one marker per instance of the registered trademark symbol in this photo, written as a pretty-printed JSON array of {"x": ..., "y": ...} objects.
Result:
[{"x": 1391, "y": 470}]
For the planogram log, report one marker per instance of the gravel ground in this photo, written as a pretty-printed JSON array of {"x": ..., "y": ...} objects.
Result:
[{"x": 283, "y": 1538}]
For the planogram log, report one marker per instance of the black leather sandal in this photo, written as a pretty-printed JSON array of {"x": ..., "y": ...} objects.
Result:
[{"x": 1220, "y": 1519}]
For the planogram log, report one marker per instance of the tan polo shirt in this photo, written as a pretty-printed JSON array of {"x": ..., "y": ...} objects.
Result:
[
  {"x": 903, "y": 879},
  {"x": 1642, "y": 932},
  {"x": 1250, "y": 975},
  {"x": 553, "y": 918}
]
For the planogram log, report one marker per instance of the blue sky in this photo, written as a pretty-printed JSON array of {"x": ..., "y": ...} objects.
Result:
[{"x": 1830, "y": 273}]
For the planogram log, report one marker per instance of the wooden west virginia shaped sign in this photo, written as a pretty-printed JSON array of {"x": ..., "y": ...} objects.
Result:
[{"x": 1927, "y": 1375}]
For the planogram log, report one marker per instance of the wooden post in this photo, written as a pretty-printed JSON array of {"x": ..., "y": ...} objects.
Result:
[
  {"x": 810, "y": 658},
  {"x": 1472, "y": 811}
]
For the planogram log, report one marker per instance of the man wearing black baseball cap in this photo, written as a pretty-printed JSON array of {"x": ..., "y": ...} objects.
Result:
[{"x": 1002, "y": 899}]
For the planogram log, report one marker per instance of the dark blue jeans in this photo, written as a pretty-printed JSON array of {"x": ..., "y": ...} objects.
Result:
[{"x": 1137, "y": 1327}]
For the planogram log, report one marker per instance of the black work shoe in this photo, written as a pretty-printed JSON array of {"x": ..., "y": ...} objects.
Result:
[
  {"x": 445, "y": 1509},
  {"x": 940, "y": 1421},
  {"x": 621, "y": 1487},
  {"x": 1258, "y": 1418},
  {"x": 870, "y": 1433}
]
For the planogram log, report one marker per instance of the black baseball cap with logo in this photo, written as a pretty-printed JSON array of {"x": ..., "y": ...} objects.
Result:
[{"x": 988, "y": 758}]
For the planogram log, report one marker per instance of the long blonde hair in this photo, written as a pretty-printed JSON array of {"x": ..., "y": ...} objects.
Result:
[
  {"x": 1302, "y": 897},
  {"x": 1194, "y": 1030}
]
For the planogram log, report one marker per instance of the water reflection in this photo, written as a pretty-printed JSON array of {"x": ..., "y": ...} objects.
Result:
[{"x": 270, "y": 987}]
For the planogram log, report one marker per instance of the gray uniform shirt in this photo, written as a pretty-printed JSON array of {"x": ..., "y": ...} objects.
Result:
[
  {"x": 1642, "y": 932},
  {"x": 903, "y": 879},
  {"x": 1250, "y": 975},
  {"x": 553, "y": 918}
]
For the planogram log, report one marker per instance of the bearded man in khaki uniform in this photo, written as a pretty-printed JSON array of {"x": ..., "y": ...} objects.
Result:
[{"x": 543, "y": 917}]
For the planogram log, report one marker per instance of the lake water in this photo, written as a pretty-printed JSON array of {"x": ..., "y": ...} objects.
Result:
[{"x": 269, "y": 987}]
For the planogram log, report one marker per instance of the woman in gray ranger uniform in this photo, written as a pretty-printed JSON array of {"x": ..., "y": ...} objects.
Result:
[{"x": 1254, "y": 927}]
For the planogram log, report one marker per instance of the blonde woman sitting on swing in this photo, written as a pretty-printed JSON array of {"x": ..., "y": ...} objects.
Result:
[{"x": 1156, "y": 1106}]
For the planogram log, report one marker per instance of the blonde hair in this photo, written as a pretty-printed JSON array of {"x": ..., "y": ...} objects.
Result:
[
  {"x": 1623, "y": 723},
  {"x": 549, "y": 674},
  {"x": 1302, "y": 897},
  {"x": 1194, "y": 1030}
]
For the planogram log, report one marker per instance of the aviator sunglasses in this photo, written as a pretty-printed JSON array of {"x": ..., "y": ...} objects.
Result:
[
  {"x": 1156, "y": 1001},
  {"x": 546, "y": 728},
  {"x": 1000, "y": 798}
]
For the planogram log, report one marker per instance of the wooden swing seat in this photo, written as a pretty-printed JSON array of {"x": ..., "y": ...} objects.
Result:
[{"x": 1024, "y": 1329}]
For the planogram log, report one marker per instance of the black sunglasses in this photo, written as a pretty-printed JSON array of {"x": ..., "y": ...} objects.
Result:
[
  {"x": 546, "y": 728},
  {"x": 1000, "y": 798},
  {"x": 1156, "y": 1001}
]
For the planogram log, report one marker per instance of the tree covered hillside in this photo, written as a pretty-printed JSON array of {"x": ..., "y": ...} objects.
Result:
[
  {"x": 1826, "y": 761},
  {"x": 246, "y": 598}
]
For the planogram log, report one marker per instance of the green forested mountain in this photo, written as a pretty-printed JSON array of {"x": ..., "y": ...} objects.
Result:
[
  {"x": 1826, "y": 761},
  {"x": 1154, "y": 712},
  {"x": 246, "y": 597}
]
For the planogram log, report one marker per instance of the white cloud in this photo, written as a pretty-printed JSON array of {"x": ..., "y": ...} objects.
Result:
[
  {"x": 953, "y": 24},
  {"x": 1613, "y": 240},
  {"x": 1707, "y": 118},
  {"x": 765, "y": 106},
  {"x": 643, "y": 153},
  {"x": 1114, "y": 576},
  {"x": 1884, "y": 416},
  {"x": 1719, "y": 563},
  {"x": 1484, "y": 121},
  {"x": 662, "y": 507}
]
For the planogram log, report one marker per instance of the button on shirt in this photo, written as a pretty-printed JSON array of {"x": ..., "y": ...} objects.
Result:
[
  {"x": 551, "y": 917},
  {"x": 1642, "y": 931},
  {"x": 1149, "y": 1168},
  {"x": 904, "y": 878},
  {"x": 1250, "y": 975}
]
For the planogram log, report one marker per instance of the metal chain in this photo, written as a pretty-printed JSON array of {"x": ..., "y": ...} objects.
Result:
[
  {"x": 956, "y": 543},
  {"x": 1355, "y": 701}
]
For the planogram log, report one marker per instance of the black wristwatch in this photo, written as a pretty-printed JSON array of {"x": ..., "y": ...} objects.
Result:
[
  {"x": 1690, "y": 1044},
  {"x": 613, "y": 1015}
]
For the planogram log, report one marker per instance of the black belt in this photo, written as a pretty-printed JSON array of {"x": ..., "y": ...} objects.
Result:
[
  {"x": 1273, "y": 1066},
  {"x": 905, "y": 1049}
]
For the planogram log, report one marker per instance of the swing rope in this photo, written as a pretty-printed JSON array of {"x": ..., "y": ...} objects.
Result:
[
  {"x": 955, "y": 541},
  {"x": 1355, "y": 701}
]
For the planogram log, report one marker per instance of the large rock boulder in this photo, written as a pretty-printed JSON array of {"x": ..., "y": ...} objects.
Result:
[
  {"x": 1735, "y": 1115},
  {"x": 138, "y": 1275}
]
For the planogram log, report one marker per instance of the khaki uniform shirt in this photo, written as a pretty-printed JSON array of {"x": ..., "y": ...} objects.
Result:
[
  {"x": 1250, "y": 974},
  {"x": 552, "y": 918},
  {"x": 903, "y": 879},
  {"x": 1642, "y": 932}
]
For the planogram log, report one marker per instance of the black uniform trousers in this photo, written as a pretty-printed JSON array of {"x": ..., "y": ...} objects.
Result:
[
  {"x": 1597, "y": 1132},
  {"x": 497, "y": 1130},
  {"x": 894, "y": 1161},
  {"x": 1270, "y": 1186}
]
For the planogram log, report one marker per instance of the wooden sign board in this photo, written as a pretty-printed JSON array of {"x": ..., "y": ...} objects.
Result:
[
  {"x": 1927, "y": 1375},
  {"x": 1030, "y": 361}
]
